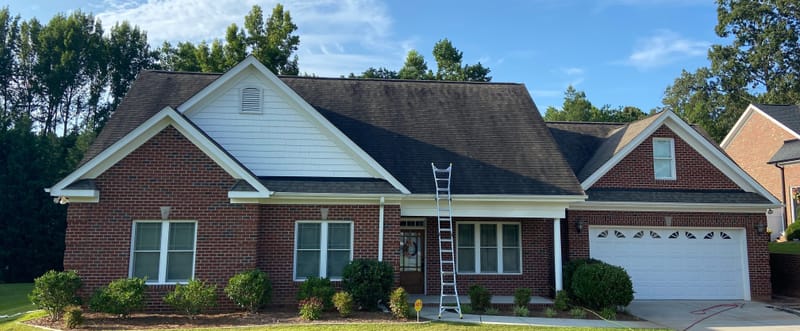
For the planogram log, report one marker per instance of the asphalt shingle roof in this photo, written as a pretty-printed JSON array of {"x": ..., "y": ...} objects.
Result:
[
  {"x": 788, "y": 115},
  {"x": 676, "y": 196},
  {"x": 491, "y": 132},
  {"x": 790, "y": 151}
]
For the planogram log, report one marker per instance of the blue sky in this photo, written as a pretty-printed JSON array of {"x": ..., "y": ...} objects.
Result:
[{"x": 620, "y": 52}]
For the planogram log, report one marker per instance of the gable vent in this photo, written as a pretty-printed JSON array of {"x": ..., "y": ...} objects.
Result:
[{"x": 251, "y": 100}]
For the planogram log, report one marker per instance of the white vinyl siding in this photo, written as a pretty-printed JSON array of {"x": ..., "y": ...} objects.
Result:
[
  {"x": 488, "y": 248},
  {"x": 281, "y": 140},
  {"x": 322, "y": 248},
  {"x": 664, "y": 158},
  {"x": 163, "y": 251}
]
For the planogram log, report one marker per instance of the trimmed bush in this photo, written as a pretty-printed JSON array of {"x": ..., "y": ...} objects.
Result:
[
  {"x": 602, "y": 285},
  {"x": 480, "y": 298},
  {"x": 250, "y": 290},
  {"x": 609, "y": 313},
  {"x": 317, "y": 287},
  {"x": 311, "y": 308},
  {"x": 398, "y": 303},
  {"x": 54, "y": 291},
  {"x": 793, "y": 231},
  {"x": 521, "y": 311},
  {"x": 368, "y": 281},
  {"x": 466, "y": 308},
  {"x": 550, "y": 312},
  {"x": 73, "y": 317},
  {"x": 561, "y": 301},
  {"x": 343, "y": 302},
  {"x": 577, "y": 313},
  {"x": 192, "y": 298},
  {"x": 522, "y": 296},
  {"x": 491, "y": 311},
  {"x": 120, "y": 297},
  {"x": 569, "y": 269}
]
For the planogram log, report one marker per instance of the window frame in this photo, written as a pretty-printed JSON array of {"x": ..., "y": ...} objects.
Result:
[
  {"x": 673, "y": 170},
  {"x": 499, "y": 248},
  {"x": 323, "y": 247},
  {"x": 260, "y": 99},
  {"x": 163, "y": 251}
]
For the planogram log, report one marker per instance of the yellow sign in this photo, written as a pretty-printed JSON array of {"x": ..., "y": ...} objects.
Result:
[{"x": 418, "y": 305}]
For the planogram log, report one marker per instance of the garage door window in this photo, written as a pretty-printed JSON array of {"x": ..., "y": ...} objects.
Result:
[{"x": 489, "y": 248}]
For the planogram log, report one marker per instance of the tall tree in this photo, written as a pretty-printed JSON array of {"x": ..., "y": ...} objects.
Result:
[
  {"x": 235, "y": 48},
  {"x": 9, "y": 47},
  {"x": 273, "y": 42},
  {"x": 376, "y": 73},
  {"x": 128, "y": 54},
  {"x": 449, "y": 67},
  {"x": 578, "y": 108},
  {"x": 415, "y": 67}
]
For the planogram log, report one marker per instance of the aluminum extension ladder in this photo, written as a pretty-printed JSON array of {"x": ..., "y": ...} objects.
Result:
[{"x": 447, "y": 263}]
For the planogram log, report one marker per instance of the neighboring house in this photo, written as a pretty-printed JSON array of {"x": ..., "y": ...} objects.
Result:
[
  {"x": 205, "y": 175},
  {"x": 764, "y": 142}
]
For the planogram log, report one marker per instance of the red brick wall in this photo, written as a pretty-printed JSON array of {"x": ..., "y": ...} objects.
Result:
[
  {"x": 757, "y": 253},
  {"x": 692, "y": 169},
  {"x": 276, "y": 239},
  {"x": 537, "y": 261},
  {"x": 166, "y": 171}
]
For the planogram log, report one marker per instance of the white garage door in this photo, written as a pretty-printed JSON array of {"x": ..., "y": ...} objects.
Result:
[{"x": 676, "y": 263}]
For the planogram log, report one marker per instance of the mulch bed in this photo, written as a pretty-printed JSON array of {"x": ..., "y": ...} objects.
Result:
[{"x": 288, "y": 315}]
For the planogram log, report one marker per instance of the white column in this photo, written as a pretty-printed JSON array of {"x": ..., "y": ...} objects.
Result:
[{"x": 557, "y": 252}]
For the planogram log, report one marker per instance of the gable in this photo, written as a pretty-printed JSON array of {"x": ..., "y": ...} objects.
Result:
[
  {"x": 280, "y": 140},
  {"x": 693, "y": 171}
]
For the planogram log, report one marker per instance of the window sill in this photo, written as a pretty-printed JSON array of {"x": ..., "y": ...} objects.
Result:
[
  {"x": 300, "y": 280},
  {"x": 489, "y": 274}
]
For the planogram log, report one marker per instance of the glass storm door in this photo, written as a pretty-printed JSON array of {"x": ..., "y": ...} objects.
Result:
[{"x": 412, "y": 261}]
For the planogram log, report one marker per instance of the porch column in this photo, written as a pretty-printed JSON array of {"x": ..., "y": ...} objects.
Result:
[{"x": 557, "y": 253}]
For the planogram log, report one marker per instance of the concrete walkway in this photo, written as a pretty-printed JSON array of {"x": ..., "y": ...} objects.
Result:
[
  {"x": 431, "y": 312},
  {"x": 714, "y": 315}
]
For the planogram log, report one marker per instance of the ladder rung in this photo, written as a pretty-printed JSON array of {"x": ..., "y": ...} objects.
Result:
[
  {"x": 447, "y": 251},
  {"x": 448, "y": 284},
  {"x": 447, "y": 261},
  {"x": 445, "y": 229},
  {"x": 446, "y": 240}
]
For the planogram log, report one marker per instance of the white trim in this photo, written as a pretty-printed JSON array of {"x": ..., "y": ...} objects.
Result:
[
  {"x": 673, "y": 206},
  {"x": 748, "y": 113},
  {"x": 673, "y": 172},
  {"x": 557, "y": 254},
  {"x": 323, "y": 247},
  {"x": 163, "y": 250},
  {"x": 333, "y": 131},
  {"x": 143, "y": 133},
  {"x": 477, "y": 247},
  {"x": 696, "y": 141}
]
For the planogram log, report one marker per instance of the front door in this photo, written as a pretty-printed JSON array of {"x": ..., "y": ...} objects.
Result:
[{"x": 412, "y": 261}]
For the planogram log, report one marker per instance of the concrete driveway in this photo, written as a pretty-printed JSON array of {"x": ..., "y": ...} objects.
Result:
[{"x": 714, "y": 315}]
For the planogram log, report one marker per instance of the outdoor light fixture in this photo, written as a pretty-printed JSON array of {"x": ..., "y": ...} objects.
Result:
[
  {"x": 323, "y": 212},
  {"x": 579, "y": 225},
  {"x": 165, "y": 212},
  {"x": 761, "y": 228},
  {"x": 667, "y": 220}
]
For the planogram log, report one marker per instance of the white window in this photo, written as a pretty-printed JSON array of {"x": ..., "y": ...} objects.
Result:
[
  {"x": 322, "y": 248},
  {"x": 664, "y": 158},
  {"x": 489, "y": 248},
  {"x": 251, "y": 100},
  {"x": 163, "y": 251}
]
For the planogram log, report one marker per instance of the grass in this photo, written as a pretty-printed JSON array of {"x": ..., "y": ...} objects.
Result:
[
  {"x": 12, "y": 325},
  {"x": 14, "y": 298},
  {"x": 788, "y": 247},
  {"x": 433, "y": 326}
]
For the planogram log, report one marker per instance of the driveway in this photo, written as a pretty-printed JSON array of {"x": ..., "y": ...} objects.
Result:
[{"x": 714, "y": 315}]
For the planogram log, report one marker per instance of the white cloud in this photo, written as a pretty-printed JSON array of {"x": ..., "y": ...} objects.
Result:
[
  {"x": 336, "y": 37},
  {"x": 663, "y": 48},
  {"x": 572, "y": 71}
]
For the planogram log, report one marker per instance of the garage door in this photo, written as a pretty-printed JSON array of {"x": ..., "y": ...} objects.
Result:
[{"x": 676, "y": 263}]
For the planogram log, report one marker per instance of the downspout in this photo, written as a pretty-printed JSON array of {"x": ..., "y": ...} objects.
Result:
[
  {"x": 380, "y": 232},
  {"x": 783, "y": 197}
]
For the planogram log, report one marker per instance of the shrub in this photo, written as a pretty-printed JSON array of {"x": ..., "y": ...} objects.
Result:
[
  {"x": 344, "y": 303},
  {"x": 311, "y": 308},
  {"x": 73, "y": 317},
  {"x": 492, "y": 311},
  {"x": 466, "y": 309},
  {"x": 561, "y": 301},
  {"x": 317, "y": 287},
  {"x": 480, "y": 298},
  {"x": 577, "y": 313},
  {"x": 250, "y": 290},
  {"x": 368, "y": 281},
  {"x": 550, "y": 312},
  {"x": 398, "y": 303},
  {"x": 522, "y": 296},
  {"x": 54, "y": 291},
  {"x": 192, "y": 298},
  {"x": 120, "y": 297},
  {"x": 569, "y": 270},
  {"x": 793, "y": 231},
  {"x": 609, "y": 313},
  {"x": 521, "y": 311},
  {"x": 598, "y": 286}
]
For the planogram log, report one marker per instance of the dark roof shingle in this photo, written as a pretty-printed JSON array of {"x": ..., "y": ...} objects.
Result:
[{"x": 788, "y": 115}]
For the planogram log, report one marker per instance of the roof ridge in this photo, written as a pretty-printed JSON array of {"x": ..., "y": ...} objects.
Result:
[
  {"x": 586, "y": 122},
  {"x": 182, "y": 72},
  {"x": 419, "y": 81}
]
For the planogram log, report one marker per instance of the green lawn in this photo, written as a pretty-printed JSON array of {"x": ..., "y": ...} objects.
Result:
[
  {"x": 14, "y": 298},
  {"x": 789, "y": 247},
  {"x": 434, "y": 326},
  {"x": 12, "y": 325}
]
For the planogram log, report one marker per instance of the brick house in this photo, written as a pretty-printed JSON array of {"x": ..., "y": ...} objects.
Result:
[
  {"x": 775, "y": 131},
  {"x": 205, "y": 175}
]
